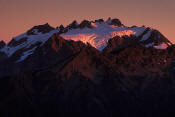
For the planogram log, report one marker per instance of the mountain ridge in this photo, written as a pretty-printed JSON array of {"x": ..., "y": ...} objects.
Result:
[{"x": 97, "y": 35}]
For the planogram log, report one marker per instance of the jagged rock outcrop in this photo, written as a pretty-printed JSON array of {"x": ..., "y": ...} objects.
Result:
[
  {"x": 99, "y": 20},
  {"x": 116, "y": 22},
  {"x": 40, "y": 28},
  {"x": 154, "y": 37},
  {"x": 84, "y": 24},
  {"x": 73, "y": 25},
  {"x": 61, "y": 29}
]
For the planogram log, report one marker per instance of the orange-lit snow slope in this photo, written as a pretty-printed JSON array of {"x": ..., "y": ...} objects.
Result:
[{"x": 99, "y": 35}]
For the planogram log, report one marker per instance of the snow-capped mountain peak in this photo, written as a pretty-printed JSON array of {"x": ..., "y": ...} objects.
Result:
[
  {"x": 37, "y": 34},
  {"x": 46, "y": 28},
  {"x": 97, "y": 33}
]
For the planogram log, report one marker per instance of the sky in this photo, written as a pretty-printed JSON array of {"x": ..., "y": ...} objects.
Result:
[{"x": 17, "y": 16}]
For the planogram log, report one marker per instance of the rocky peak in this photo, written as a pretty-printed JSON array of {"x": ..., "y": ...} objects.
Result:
[
  {"x": 62, "y": 29},
  {"x": 85, "y": 23},
  {"x": 73, "y": 25},
  {"x": 2, "y": 44},
  {"x": 159, "y": 38},
  {"x": 115, "y": 22},
  {"x": 99, "y": 20},
  {"x": 109, "y": 19},
  {"x": 40, "y": 29},
  {"x": 152, "y": 37}
]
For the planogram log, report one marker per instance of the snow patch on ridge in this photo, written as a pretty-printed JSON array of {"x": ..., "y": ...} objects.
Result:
[
  {"x": 99, "y": 35},
  {"x": 26, "y": 54},
  {"x": 31, "y": 40},
  {"x": 146, "y": 36},
  {"x": 161, "y": 46},
  {"x": 149, "y": 45}
]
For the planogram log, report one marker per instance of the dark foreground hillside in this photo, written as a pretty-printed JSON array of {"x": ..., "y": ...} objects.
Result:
[{"x": 46, "y": 94}]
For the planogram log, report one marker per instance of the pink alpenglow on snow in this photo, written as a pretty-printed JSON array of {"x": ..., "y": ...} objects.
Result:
[
  {"x": 99, "y": 35},
  {"x": 161, "y": 46}
]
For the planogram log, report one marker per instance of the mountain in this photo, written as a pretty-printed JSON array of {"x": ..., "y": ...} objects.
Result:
[
  {"x": 95, "y": 68},
  {"x": 97, "y": 33}
]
